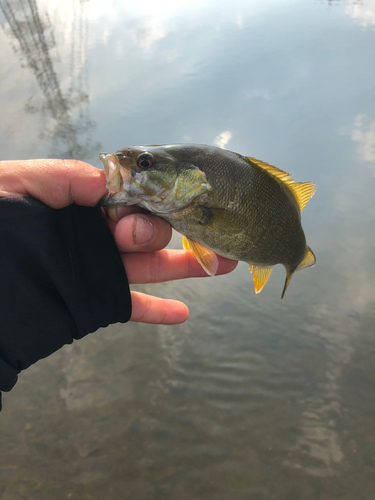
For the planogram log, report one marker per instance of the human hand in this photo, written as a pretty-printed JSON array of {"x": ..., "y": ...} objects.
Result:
[{"x": 140, "y": 237}]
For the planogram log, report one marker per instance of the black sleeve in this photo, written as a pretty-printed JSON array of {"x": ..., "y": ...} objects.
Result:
[{"x": 61, "y": 277}]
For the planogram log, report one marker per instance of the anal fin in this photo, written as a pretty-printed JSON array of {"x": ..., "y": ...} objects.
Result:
[
  {"x": 260, "y": 276},
  {"x": 206, "y": 258}
]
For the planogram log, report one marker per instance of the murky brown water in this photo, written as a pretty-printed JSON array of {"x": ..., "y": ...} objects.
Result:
[{"x": 254, "y": 397}]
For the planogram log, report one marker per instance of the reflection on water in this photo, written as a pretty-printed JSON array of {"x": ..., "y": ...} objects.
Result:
[
  {"x": 253, "y": 397},
  {"x": 363, "y": 133},
  {"x": 65, "y": 115},
  {"x": 363, "y": 12}
]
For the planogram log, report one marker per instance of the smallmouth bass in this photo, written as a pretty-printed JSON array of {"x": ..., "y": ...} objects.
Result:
[{"x": 221, "y": 202}]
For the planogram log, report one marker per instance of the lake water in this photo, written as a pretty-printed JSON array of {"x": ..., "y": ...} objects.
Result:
[{"x": 253, "y": 397}]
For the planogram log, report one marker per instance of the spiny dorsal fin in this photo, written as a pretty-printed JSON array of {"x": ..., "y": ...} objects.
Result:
[
  {"x": 302, "y": 191},
  {"x": 276, "y": 172},
  {"x": 308, "y": 260},
  {"x": 206, "y": 258},
  {"x": 260, "y": 276}
]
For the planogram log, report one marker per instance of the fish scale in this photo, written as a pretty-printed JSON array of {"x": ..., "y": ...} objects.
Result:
[{"x": 220, "y": 201}]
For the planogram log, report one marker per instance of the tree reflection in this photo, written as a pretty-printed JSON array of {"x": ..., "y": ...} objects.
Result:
[
  {"x": 65, "y": 113},
  {"x": 345, "y": 2}
]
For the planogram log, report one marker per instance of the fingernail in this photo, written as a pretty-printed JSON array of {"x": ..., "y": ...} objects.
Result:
[
  {"x": 117, "y": 213},
  {"x": 144, "y": 230},
  {"x": 121, "y": 211}
]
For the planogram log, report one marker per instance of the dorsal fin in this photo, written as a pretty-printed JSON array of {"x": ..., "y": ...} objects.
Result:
[
  {"x": 302, "y": 191},
  {"x": 276, "y": 172}
]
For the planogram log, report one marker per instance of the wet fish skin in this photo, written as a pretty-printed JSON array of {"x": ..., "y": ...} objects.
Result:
[{"x": 235, "y": 206}]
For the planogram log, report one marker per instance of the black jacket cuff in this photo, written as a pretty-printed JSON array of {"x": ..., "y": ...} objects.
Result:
[{"x": 61, "y": 277}]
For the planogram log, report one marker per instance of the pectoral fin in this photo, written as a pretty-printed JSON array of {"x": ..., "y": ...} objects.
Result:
[
  {"x": 206, "y": 258},
  {"x": 260, "y": 276},
  {"x": 222, "y": 221}
]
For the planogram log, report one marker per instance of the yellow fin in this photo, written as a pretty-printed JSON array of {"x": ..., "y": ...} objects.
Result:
[
  {"x": 206, "y": 258},
  {"x": 289, "y": 275},
  {"x": 276, "y": 172},
  {"x": 185, "y": 243},
  {"x": 302, "y": 191},
  {"x": 308, "y": 260},
  {"x": 260, "y": 276}
]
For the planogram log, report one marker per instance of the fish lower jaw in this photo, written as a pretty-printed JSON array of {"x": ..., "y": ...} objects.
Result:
[
  {"x": 116, "y": 199},
  {"x": 156, "y": 207}
]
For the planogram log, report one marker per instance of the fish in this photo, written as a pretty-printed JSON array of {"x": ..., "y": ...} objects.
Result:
[{"x": 222, "y": 203}]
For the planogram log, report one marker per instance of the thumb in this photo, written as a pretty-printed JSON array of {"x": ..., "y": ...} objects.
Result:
[{"x": 57, "y": 183}]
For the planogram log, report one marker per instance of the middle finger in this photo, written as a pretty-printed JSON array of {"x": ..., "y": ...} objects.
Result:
[{"x": 168, "y": 265}]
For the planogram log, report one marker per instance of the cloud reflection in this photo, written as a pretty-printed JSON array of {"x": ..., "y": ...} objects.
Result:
[
  {"x": 363, "y": 13},
  {"x": 146, "y": 34},
  {"x": 256, "y": 94},
  {"x": 363, "y": 134},
  {"x": 222, "y": 139}
]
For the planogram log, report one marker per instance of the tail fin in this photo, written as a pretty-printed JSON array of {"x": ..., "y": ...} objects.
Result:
[
  {"x": 289, "y": 275},
  {"x": 308, "y": 261}
]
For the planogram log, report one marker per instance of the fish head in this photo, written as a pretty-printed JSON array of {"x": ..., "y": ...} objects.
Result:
[{"x": 153, "y": 177}]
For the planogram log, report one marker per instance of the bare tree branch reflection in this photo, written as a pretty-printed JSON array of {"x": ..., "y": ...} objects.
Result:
[
  {"x": 343, "y": 2},
  {"x": 65, "y": 114}
]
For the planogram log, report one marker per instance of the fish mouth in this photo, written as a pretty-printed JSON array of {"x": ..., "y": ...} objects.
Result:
[
  {"x": 109, "y": 201},
  {"x": 112, "y": 172},
  {"x": 118, "y": 182}
]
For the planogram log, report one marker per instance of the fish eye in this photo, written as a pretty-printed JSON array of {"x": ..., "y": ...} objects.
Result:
[{"x": 145, "y": 160}]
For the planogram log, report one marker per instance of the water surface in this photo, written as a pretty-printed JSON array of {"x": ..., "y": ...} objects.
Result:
[{"x": 253, "y": 397}]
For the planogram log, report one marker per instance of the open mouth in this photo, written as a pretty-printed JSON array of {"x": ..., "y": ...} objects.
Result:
[
  {"x": 113, "y": 176},
  {"x": 118, "y": 182},
  {"x": 112, "y": 172}
]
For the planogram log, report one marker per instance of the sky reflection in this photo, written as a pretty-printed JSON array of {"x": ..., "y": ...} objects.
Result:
[
  {"x": 62, "y": 106},
  {"x": 253, "y": 395}
]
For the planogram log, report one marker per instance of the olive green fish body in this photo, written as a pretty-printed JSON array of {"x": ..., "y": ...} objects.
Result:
[
  {"x": 237, "y": 207},
  {"x": 253, "y": 218}
]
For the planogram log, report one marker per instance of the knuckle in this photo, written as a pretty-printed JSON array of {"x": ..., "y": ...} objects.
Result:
[{"x": 154, "y": 267}]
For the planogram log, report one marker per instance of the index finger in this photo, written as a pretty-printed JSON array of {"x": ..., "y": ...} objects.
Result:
[{"x": 57, "y": 183}]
